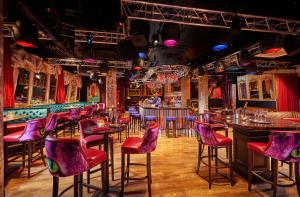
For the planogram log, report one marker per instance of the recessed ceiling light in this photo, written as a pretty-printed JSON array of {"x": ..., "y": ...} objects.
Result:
[{"x": 219, "y": 47}]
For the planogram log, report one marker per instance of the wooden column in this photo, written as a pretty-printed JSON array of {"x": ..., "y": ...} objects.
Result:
[
  {"x": 1, "y": 100},
  {"x": 185, "y": 90},
  {"x": 203, "y": 93},
  {"x": 111, "y": 88}
]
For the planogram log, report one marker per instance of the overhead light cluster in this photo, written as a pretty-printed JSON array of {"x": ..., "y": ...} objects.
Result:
[{"x": 25, "y": 34}]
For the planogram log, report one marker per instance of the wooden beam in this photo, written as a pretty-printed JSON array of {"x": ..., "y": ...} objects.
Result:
[{"x": 1, "y": 99}]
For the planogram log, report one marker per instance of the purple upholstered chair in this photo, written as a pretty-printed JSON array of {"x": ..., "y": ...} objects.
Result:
[
  {"x": 73, "y": 118},
  {"x": 137, "y": 145},
  {"x": 213, "y": 141},
  {"x": 34, "y": 131},
  {"x": 66, "y": 158},
  {"x": 88, "y": 141},
  {"x": 282, "y": 146},
  {"x": 51, "y": 124},
  {"x": 88, "y": 112}
]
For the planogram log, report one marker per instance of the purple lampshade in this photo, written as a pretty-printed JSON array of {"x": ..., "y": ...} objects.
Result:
[
  {"x": 90, "y": 60},
  {"x": 170, "y": 43}
]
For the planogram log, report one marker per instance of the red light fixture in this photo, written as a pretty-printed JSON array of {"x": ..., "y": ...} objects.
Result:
[
  {"x": 137, "y": 68},
  {"x": 272, "y": 50},
  {"x": 25, "y": 44}
]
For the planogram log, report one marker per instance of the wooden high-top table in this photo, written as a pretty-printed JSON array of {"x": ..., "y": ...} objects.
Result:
[{"x": 245, "y": 131}]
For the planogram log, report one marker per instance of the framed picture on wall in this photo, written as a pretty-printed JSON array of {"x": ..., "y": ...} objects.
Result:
[
  {"x": 176, "y": 87},
  {"x": 215, "y": 88}
]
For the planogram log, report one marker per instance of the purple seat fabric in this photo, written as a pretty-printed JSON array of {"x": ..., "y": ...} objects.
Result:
[
  {"x": 147, "y": 144},
  {"x": 136, "y": 115},
  {"x": 207, "y": 117},
  {"x": 284, "y": 146},
  {"x": 33, "y": 130},
  {"x": 190, "y": 118},
  {"x": 51, "y": 123},
  {"x": 171, "y": 118},
  {"x": 150, "y": 118},
  {"x": 66, "y": 157},
  {"x": 74, "y": 114},
  {"x": 88, "y": 111},
  {"x": 209, "y": 137}
]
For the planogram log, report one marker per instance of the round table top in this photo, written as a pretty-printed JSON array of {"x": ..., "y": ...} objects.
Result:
[
  {"x": 96, "y": 130},
  {"x": 274, "y": 124}
]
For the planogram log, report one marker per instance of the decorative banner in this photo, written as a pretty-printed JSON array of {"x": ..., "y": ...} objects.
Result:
[
  {"x": 203, "y": 93},
  {"x": 111, "y": 88},
  {"x": 93, "y": 93}
]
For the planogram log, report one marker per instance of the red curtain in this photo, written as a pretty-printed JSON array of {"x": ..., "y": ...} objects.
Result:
[
  {"x": 8, "y": 80},
  {"x": 60, "y": 90},
  {"x": 287, "y": 92}
]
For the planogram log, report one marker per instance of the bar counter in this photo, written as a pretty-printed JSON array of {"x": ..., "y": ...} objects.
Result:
[
  {"x": 245, "y": 131},
  {"x": 163, "y": 112}
]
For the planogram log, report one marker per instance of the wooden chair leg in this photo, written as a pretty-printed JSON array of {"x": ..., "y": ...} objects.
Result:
[
  {"x": 250, "y": 168},
  {"x": 199, "y": 157},
  {"x": 42, "y": 152},
  {"x": 29, "y": 157},
  {"x": 80, "y": 185},
  {"x": 112, "y": 160},
  {"x": 216, "y": 159},
  {"x": 55, "y": 186},
  {"x": 23, "y": 154},
  {"x": 122, "y": 174},
  {"x": 127, "y": 168},
  {"x": 149, "y": 173},
  {"x": 210, "y": 151},
  {"x": 104, "y": 183},
  {"x": 230, "y": 164},
  {"x": 88, "y": 179},
  {"x": 274, "y": 176},
  {"x": 174, "y": 128},
  {"x": 76, "y": 180}
]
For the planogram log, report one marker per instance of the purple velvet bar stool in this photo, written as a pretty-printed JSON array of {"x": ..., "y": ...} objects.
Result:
[
  {"x": 33, "y": 131},
  {"x": 213, "y": 141},
  {"x": 137, "y": 145},
  {"x": 66, "y": 157},
  {"x": 73, "y": 118},
  {"x": 282, "y": 146},
  {"x": 88, "y": 141},
  {"x": 51, "y": 124}
]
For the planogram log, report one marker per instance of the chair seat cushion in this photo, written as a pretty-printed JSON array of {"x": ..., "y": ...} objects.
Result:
[
  {"x": 150, "y": 118},
  {"x": 95, "y": 140},
  {"x": 217, "y": 126},
  {"x": 13, "y": 137},
  {"x": 123, "y": 120},
  {"x": 223, "y": 140},
  {"x": 132, "y": 145},
  {"x": 171, "y": 118},
  {"x": 94, "y": 156},
  {"x": 62, "y": 115},
  {"x": 190, "y": 118},
  {"x": 12, "y": 128},
  {"x": 258, "y": 147}
]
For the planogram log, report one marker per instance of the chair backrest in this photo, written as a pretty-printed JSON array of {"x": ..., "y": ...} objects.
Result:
[
  {"x": 34, "y": 129},
  {"x": 65, "y": 157},
  {"x": 84, "y": 124},
  {"x": 206, "y": 134},
  {"x": 51, "y": 122},
  {"x": 150, "y": 139},
  {"x": 101, "y": 106},
  {"x": 74, "y": 113},
  {"x": 206, "y": 117},
  {"x": 284, "y": 146},
  {"x": 89, "y": 109}
]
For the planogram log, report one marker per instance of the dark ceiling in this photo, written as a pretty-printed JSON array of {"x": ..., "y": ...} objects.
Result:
[{"x": 195, "y": 42}]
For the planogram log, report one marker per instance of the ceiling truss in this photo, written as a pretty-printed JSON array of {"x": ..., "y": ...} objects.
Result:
[
  {"x": 158, "y": 12},
  {"x": 99, "y": 37},
  {"x": 77, "y": 62}
]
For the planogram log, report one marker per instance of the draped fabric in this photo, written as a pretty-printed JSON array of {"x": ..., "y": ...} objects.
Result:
[
  {"x": 227, "y": 93},
  {"x": 8, "y": 80},
  {"x": 287, "y": 92},
  {"x": 60, "y": 90}
]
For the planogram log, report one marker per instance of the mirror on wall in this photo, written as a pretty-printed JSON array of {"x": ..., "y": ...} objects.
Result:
[
  {"x": 52, "y": 92},
  {"x": 267, "y": 88},
  {"x": 253, "y": 89},
  {"x": 242, "y": 89},
  {"x": 39, "y": 88},
  {"x": 22, "y": 87}
]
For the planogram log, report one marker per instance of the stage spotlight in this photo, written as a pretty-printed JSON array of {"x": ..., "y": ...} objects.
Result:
[
  {"x": 170, "y": 34},
  {"x": 155, "y": 39},
  {"x": 89, "y": 39},
  {"x": 271, "y": 43},
  {"x": 237, "y": 23},
  {"x": 219, "y": 47},
  {"x": 245, "y": 58},
  {"x": 25, "y": 34}
]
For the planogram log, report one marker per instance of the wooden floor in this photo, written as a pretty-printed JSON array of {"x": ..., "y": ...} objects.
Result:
[{"x": 173, "y": 174}]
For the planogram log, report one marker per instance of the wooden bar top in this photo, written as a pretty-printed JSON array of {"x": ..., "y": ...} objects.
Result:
[{"x": 275, "y": 124}]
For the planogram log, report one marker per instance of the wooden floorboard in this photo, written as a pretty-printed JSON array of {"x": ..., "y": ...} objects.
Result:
[{"x": 173, "y": 174}]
